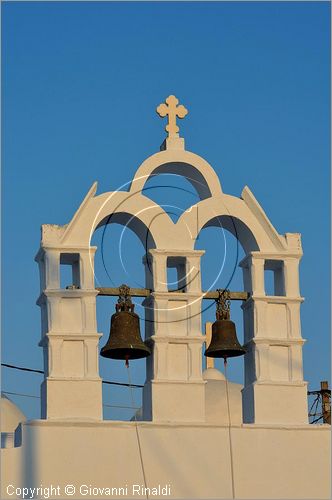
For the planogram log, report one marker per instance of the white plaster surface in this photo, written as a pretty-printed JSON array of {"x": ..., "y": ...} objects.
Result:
[
  {"x": 269, "y": 461},
  {"x": 216, "y": 409}
]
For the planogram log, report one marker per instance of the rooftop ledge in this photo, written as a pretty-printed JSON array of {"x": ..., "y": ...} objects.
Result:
[{"x": 148, "y": 424}]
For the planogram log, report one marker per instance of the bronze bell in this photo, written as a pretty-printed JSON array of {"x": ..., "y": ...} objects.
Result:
[
  {"x": 125, "y": 341},
  {"x": 224, "y": 342}
]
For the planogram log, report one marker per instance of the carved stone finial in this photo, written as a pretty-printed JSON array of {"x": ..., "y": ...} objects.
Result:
[{"x": 172, "y": 109}]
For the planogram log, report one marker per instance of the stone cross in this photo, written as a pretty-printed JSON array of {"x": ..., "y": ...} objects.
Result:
[{"x": 172, "y": 109}]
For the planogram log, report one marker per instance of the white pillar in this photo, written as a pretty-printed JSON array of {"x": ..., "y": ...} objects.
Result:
[
  {"x": 174, "y": 390},
  {"x": 72, "y": 386},
  {"x": 274, "y": 390}
]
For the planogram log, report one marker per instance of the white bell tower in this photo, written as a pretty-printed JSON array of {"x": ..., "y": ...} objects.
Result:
[{"x": 274, "y": 391}]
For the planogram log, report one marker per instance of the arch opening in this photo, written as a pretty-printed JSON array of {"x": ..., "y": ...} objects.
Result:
[
  {"x": 120, "y": 242},
  {"x": 131, "y": 222},
  {"x": 174, "y": 193},
  {"x": 238, "y": 229},
  {"x": 187, "y": 170},
  {"x": 220, "y": 269}
]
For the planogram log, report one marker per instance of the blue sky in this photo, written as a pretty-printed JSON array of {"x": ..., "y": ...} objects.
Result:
[{"x": 80, "y": 84}]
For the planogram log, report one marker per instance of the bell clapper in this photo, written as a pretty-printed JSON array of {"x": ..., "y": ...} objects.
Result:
[{"x": 127, "y": 361}]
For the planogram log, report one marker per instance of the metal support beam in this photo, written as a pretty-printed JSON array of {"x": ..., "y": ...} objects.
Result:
[{"x": 145, "y": 292}]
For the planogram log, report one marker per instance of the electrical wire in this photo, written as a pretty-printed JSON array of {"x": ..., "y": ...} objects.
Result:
[
  {"x": 6, "y": 365},
  {"x": 107, "y": 382},
  {"x": 316, "y": 407},
  {"x": 121, "y": 406},
  {"x": 317, "y": 419},
  {"x": 20, "y": 394},
  {"x": 138, "y": 386},
  {"x": 38, "y": 397},
  {"x": 315, "y": 402},
  {"x": 134, "y": 386}
]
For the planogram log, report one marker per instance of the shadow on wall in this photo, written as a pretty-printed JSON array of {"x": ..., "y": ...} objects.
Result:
[{"x": 30, "y": 460}]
